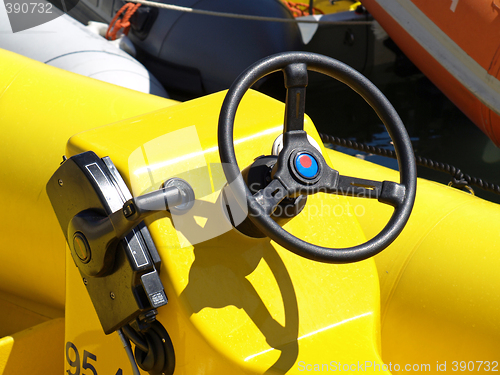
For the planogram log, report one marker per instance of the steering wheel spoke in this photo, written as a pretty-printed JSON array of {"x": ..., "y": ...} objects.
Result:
[
  {"x": 356, "y": 187},
  {"x": 387, "y": 192},
  {"x": 296, "y": 79},
  {"x": 392, "y": 193}
]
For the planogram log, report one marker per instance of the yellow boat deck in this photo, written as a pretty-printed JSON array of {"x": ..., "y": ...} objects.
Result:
[{"x": 236, "y": 305}]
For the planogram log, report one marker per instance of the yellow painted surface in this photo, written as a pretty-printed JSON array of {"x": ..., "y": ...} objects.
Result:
[
  {"x": 6, "y": 344},
  {"x": 439, "y": 280},
  {"x": 36, "y": 350},
  {"x": 236, "y": 304},
  {"x": 15, "y": 318},
  {"x": 41, "y": 107},
  {"x": 328, "y": 6}
]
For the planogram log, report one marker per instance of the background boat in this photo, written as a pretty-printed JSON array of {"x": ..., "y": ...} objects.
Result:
[
  {"x": 455, "y": 44},
  {"x": 195, "y": 54},
  {"x": 65, "y": 43}
]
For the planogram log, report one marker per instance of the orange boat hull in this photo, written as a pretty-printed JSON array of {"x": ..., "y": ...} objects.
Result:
[{"x": 456, "y": 44}]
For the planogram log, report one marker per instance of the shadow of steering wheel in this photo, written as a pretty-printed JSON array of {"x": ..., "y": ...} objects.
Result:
[{"x": 218, "y": 278}]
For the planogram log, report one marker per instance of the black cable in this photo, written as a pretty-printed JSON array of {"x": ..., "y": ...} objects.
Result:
[
  {"x": 154, "y": 351},
  {"x": 133, "y": 336},
  {"x": 459, "y": 179}
]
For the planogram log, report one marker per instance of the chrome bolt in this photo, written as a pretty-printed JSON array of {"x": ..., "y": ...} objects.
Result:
[
  {"x": 112, "y": 295},
  {"x": 60, "y": 182},
  {"x": 85, "y": 281}
]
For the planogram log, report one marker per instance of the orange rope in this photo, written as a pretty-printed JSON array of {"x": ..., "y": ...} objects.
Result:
[
  {"x": 116, "y": 24},
  {"x": 301, "y": 9}
]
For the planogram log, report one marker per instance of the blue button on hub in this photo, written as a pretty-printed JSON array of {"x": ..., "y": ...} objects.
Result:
[{"x": 306, "y": 165}]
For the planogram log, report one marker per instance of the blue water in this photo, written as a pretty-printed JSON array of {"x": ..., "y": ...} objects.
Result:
[{"x": 438, "y": 129}]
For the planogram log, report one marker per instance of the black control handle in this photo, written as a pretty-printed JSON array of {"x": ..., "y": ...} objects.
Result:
[{"x": 91, "y": 230}]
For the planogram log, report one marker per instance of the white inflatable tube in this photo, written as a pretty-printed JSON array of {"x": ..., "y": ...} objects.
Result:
[{"x": 67, "y": 44}]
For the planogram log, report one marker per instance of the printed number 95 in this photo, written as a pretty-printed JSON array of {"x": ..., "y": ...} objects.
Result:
[{"x": 75, "y": 363}]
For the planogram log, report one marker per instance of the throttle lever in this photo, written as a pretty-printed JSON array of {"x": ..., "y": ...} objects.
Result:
[
  {"x": 95, "y": 235},
  {"x": 180, "y": 197}
]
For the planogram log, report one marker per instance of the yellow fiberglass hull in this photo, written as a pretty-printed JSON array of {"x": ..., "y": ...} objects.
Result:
[
  {"x": 329, "y": 7},
  {"x": 237, "y": 305}
]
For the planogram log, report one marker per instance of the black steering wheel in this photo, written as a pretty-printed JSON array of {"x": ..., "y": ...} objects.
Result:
[{"x": 301, "y": 169}]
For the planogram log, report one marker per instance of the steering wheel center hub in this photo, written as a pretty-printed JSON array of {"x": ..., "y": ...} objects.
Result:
[{"x": 306, "y": 165}]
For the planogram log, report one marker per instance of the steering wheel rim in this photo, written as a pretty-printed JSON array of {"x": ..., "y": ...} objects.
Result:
[{"x": 386, "y": 113}]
